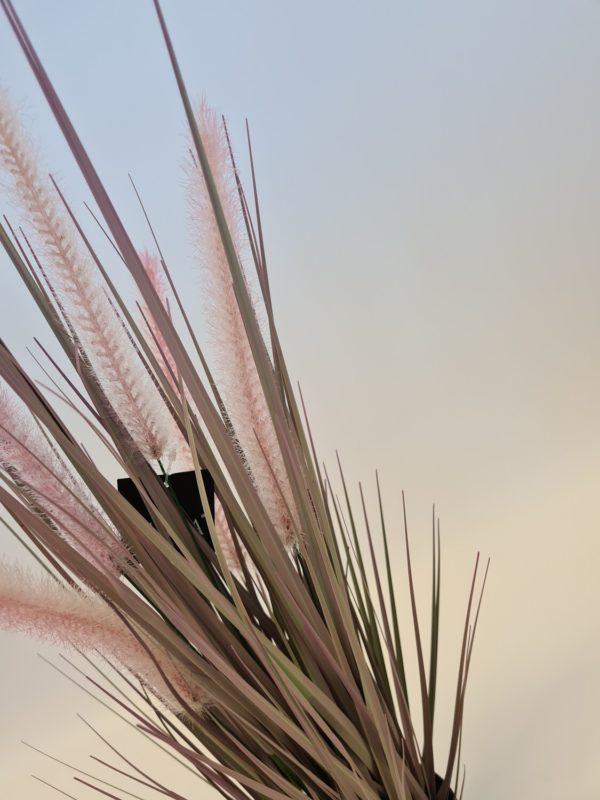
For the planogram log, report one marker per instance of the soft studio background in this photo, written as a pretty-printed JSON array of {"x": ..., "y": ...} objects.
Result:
[{"x": 430, "y": 184}]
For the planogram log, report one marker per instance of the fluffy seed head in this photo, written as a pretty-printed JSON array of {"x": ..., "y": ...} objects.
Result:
[
  {"x": 241, "y": 388},
  {"x": 105, "y": 344}
]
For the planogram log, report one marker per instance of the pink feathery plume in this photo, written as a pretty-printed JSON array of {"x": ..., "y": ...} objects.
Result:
[
  {"x": 225, "y": 538},
  {"x": 124, "y": 379},
  {"x": 52, "y": 488},
  {"x": 156, "y": 341},
  {"x": 68, "y": 618},
  {"x": 241, "y": 388},
  {"x": 164, "y": 358}
]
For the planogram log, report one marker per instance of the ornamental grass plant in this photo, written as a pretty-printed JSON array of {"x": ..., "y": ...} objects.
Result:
[{"x": 260, "y": 638}]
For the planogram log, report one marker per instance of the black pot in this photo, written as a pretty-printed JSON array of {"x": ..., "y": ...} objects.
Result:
[
  {"x": 184, "y": 488},
  {"x": 438, "y": 783}
]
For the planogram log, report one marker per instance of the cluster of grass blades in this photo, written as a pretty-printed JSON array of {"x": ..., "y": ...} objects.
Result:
[{"x": 263, "y": 647}]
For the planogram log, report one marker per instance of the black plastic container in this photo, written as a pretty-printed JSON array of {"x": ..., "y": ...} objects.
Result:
[
  {"x": 183, "y": 486},
  {"x": 438, "y": 783}
]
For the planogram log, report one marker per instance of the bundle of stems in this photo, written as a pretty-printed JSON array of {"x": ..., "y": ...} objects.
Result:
[{"x": 267, "y": 653}]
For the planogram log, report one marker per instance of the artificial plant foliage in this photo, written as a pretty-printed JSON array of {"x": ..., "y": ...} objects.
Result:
[{"x": 264, "y": 638}]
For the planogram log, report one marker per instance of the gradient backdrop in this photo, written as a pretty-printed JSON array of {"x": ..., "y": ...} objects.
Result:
[{"x": 430, "y": 185}]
